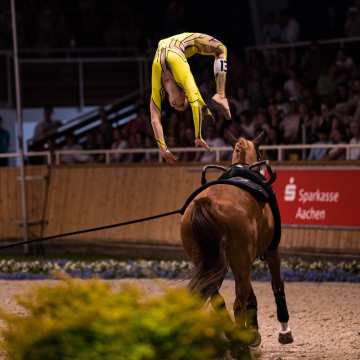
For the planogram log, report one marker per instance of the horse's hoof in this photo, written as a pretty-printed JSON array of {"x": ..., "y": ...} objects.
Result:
[
  {"x": 257, "y": 340},
  {"x": 285, "y": 337}
]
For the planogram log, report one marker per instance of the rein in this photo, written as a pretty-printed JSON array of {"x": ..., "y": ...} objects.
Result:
[{"x": 83, "y": 231}]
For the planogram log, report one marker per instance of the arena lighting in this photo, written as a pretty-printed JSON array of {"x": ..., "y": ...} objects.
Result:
[{"x": 20, "y": 128}]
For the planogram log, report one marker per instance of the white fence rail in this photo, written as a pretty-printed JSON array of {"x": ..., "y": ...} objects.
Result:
[{"x": 57, "y": 157}]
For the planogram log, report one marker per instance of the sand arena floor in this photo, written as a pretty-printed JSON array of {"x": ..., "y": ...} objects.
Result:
[{"x": 325, "y": 318}]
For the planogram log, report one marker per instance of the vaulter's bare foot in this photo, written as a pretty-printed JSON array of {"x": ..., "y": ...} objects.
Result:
[{"x": 224, "y": 105}]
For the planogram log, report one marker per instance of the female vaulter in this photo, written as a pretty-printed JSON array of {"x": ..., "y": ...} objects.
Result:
[{"x": 171, "y": 74}]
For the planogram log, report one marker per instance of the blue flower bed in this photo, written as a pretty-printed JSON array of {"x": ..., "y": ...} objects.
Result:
[{"x": 293, "y": 269}]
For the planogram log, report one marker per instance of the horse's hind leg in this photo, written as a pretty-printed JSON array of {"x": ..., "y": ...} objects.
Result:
[{"x": 273, "y": 259}]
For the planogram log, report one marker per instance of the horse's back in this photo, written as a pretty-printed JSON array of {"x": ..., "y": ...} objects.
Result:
[{"x": 249, "y": 223}]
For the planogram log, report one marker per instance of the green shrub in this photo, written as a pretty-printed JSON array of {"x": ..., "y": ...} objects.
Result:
[{"x": 86, "y": 320}]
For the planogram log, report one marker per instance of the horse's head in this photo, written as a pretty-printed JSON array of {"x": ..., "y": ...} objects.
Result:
[{"x": 246, "y": 151}]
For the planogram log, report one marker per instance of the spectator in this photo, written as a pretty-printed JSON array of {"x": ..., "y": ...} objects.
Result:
[
  {"x": 355, "y": 133},
  {"x": 271, "y": 29},
  {"x": 337, "y": 137},
  {"x": 213, "y": 140},
  {"x": 352, "y": 24},
  {"x": 326, "y": 83},
  {"x": 150, "y": 144},
  {"x": 344, "y": 62},
  {"x": 4, "y": 143},
  {"x": 320, "y": 153},
  {"x": 47, "y": 126},
  {"x": 105, "y": 130},
  {"x": 292, "y": 86},
  {"x": 240, "y": 103},
  {"x": 92, "y": 143},
  {"x": 188, "y": 142},
  {"x": 271, "y": 139},
  {"x": 291, "y": 28},
  {"x": 290, "y": 125},
  {"x": 136, "y": 142},
  {"x": 71, "y": 144},
  {"x": 141, "y": 124},
  {"x": 119, "y": 143},
  {"x": 247, "y": 125}
]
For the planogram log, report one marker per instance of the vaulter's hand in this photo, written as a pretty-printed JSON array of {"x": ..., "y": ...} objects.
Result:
[
  {"x": 169, "y": 157},
  {"x": 202, "y": 143}
]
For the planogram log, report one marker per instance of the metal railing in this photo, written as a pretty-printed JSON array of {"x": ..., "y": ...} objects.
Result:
[
  {"x": 56, "y": 157},
  {"x": 339, "y": 41},
  {"x": 142, "y": 72}
]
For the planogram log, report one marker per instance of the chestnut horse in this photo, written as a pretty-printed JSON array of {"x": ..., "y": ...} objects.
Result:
[{"x": 224, "y": 226}]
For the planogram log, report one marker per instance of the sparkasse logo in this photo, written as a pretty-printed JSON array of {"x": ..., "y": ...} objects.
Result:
[{"x": 290, "y": 190}]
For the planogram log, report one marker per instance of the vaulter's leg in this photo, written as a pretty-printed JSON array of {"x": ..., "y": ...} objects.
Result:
[{"x": 272, "y": 257}]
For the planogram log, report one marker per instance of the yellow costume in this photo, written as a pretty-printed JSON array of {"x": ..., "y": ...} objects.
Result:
[{"x": 171, "y": 55}]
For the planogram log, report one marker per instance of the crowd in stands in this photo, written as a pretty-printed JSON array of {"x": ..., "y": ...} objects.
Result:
[
  {"x": 296, "y": 95},
  {"x": 308, "y": 95}
]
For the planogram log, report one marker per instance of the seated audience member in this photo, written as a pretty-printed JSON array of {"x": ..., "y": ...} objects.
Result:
[
  {"x": 292, "y": 85},
  {"x": 71, "y": 144},
  {"x": 271, "y": 139},
  {"x": 326, "y": 84},
  {"x": 105, "y": 130},
  {"x": 344, "y": 62},
  {"x": 352, "y": 25},
  {"x": 91, "y": 143},
  {"x": 355, "y": 133},
  {"x": 240, "y": 103},
  {"x": 261, "y": 122},
  {"x": 141, "y": 124},
  {"x": 247, "y": 125},
  {"x": 320, "y": 153},
  {"x": 291, "y": 28},
  {"x": 337, "y": 137},
  {"x": 4, "y": 143},
  {"x": 271, "y": 30},
  {"x": 353, "y": 102},
  {"x": 120, "y": 143},
  {"x": 150, "y": 144},
  {"x": 46, "y": 126},
  {"x": 135, "y": 142},
  {"x": 188, "y": 141},
  {"x": 290, "y": 125},
  {"x": 213, "y": 140}
]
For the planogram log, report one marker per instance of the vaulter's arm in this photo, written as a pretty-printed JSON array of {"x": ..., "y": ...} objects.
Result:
[
  {"x": 155, "y": 106},
  {"x": 155, "y": 113}
]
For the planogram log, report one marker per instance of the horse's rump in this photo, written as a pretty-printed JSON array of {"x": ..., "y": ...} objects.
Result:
[{"x": 210, "y": 236}]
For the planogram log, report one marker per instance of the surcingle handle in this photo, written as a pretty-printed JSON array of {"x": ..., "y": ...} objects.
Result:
[
  {"x": 272, "y": 173},
  {"x": 203, "y": 174}
]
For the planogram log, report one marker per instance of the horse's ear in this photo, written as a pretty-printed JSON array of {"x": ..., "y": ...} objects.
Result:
[
  {"x": 259, "y": 139},
  {"x": 233, "y": 140}
]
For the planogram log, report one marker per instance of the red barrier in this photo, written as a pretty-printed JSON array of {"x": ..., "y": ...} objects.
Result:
[{"x": 315, "y": 197}]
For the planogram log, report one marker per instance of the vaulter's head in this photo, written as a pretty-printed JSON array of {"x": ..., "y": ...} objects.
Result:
[
  {"x": 177, "y": 98},
  {"x": 176, "y": 94}
]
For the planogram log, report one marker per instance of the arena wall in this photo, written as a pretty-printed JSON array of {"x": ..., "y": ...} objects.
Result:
[{"x": 67, "y": 198}]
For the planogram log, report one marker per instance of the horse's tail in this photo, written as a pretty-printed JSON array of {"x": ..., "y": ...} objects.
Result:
[{"x": 210, "y": 236}]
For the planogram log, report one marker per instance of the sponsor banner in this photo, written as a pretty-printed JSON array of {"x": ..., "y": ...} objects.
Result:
[{"x": 319, "y": 197}]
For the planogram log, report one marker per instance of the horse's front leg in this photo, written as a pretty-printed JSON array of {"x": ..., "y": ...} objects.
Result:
[{"x": 273, "y": 259}]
